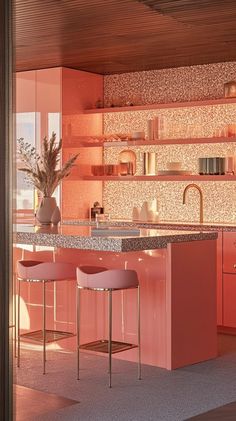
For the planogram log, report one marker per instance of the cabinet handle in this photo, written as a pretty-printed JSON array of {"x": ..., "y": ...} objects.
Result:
[{"x": 234, "y": 265}]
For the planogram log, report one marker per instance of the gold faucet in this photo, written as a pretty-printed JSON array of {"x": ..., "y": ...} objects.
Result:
[{"x": 201, "y": 198}]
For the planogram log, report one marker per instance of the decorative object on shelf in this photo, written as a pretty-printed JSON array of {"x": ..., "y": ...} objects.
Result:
[
  {"x": 150, "y": 130},
  {"x": 143, "y": 216},
  {"x": 156, "y": 128},
  {"x": 125, "y": 168},
  {"x": 173, "y": 172},
  {"x": 149, "y": 161},
  {"x": 127, "y": 162},
  {"x": 149, "y": 211},
  {"x": 97, "y": 170},
  {"x": 153, "y": 211},
  {"x": 174, "y": 166},
  {"x": 97, "y": 209},
  {"x": 56, "y": 216},
  {"x": 230, "y": 89},
  {"x": 230, "y": 165},
  {"x": 42, "y": 172},
  {"x": 99, "y": 103},
  {"x": 111, "y": 169},
  {"x": 138, "y": 135},
  {"x": 136, "y": 213},
  {"x": 212, "y": 166},
  {"x": 231, "y": 130}
]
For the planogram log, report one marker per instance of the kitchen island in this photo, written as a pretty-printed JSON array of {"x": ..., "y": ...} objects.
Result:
[{"x": 177, "y": 273}]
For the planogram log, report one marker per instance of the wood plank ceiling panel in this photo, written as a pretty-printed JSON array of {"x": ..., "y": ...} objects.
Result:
[{"x": 115, "y": 36}]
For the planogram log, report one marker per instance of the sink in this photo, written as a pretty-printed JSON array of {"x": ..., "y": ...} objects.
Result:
[{"x": 114, "y": 231}]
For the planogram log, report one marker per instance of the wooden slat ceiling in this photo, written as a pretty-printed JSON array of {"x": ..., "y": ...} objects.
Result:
[{"x": 116, "y": 36}]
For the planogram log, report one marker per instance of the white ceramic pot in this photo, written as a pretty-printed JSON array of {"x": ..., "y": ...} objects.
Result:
[{"x": 45, "y": 210}]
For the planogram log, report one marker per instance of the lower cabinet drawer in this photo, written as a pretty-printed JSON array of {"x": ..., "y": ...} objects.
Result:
[{"x": 229, "y": 300}]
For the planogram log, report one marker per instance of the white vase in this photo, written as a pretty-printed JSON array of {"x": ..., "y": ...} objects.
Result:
[
  {"x": 136, "y": 213},
  {"x": 56, "y": 216},
  {"x": 45, "y": 210},
  {"x": 144, "y": 211}
]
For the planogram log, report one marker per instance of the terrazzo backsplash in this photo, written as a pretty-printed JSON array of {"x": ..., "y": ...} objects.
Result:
[{"x": 180, "y": 84}]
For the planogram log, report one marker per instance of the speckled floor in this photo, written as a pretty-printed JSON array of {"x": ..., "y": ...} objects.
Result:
[
  {"x": 160, "y": 395},
  {"x": 30, "y": 403}
]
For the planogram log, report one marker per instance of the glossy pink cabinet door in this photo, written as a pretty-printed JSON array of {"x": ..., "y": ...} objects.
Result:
[
  {"x": 229, "y": 279},
  {"x": 229, "y": 300},
  {"x": 219, "y": 280},
  {"x": 229, "y": 252}
]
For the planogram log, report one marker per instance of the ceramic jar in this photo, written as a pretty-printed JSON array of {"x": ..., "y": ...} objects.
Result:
[{"x": 45, "y": 210}]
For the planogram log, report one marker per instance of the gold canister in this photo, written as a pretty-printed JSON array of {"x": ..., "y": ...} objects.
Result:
[{"x": 230, "y": 89}]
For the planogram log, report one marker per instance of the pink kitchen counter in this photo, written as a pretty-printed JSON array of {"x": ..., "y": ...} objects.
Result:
[{"x": 177, "y": 272}]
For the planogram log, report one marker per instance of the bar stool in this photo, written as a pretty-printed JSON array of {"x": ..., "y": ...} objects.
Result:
[
  {"x": 24, "y": 254},
  {"x": 43, "y": 272},
  {"x": 102, "y": 279}
]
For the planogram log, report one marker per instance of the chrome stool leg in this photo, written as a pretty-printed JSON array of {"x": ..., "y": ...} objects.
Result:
[
  {"x": 78, "y": 329},
  {"x": 44, "y": 327},
  {"x": 139, "y": 337},
  {"x": 18, "y": 325},
  {"x": 110, "y": 331},
  {"x": 14, "y": 312}
]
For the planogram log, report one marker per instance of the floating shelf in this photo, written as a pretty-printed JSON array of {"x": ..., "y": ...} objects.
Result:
[
  {"x": 187, "y": 104},
  {"x": 159, "y": 142},
  {"x": 194, "y": 177}
]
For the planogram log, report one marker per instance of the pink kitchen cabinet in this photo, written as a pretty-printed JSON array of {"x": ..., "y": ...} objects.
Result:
[
  {"x": 229, "y": 279},
  {"x": 229, "y": 300},
  {"x": 80, "y": 90},
  {"x": 219, "y": 280},
  {"x": 229, "y": 252}
]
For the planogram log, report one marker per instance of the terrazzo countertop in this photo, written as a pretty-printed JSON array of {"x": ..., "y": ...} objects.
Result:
[
  {"x": 81, "y": 237},
  {"x": 173, "y": 225}
]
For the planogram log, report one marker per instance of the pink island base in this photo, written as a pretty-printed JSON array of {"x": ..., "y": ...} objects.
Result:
[{"x": 178, "y": 303}]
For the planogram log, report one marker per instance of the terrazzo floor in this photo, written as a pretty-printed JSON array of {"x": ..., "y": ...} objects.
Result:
[{"x": 160, "y": 395}]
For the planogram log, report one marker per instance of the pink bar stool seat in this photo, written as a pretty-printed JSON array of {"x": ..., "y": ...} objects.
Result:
[
  {"x": 44, "y": 272},
  {"x": 52, "y": 271},
  {"x": 102, "y": 279}
]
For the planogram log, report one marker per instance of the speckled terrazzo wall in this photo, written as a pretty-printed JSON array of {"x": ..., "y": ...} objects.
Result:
[{"x": 181, "y": 84}]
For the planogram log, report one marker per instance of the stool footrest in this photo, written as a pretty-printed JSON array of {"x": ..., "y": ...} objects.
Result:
[
  {"x": 51, "y": 335},
  {"x": 101, "y": 345}
]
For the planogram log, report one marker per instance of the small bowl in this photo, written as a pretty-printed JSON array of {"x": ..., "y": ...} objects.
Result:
[{"x": 173, "y": 166}]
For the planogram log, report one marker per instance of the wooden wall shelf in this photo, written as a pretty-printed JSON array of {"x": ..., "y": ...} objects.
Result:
[
  {"x": 159, "y": 142},
  {"x": 194, "y": 177},
  {"x": 187, "y": 104}
]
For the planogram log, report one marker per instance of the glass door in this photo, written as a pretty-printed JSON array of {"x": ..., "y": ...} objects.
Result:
[{"x": 6, "y": 157}]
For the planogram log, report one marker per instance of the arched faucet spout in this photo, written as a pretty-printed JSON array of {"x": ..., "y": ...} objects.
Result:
[{"x": 189, "y": 186}]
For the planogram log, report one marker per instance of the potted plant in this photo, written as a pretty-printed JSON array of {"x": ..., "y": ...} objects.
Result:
[{"x": 43, "y": 172}]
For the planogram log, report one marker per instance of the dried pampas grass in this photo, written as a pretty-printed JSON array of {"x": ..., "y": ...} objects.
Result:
[{"x": 41, "y": 169}]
